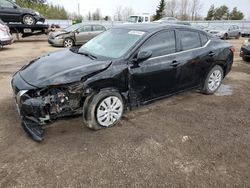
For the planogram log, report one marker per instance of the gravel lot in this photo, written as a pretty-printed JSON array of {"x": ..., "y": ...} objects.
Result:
[{"x": 189, "y": 140}]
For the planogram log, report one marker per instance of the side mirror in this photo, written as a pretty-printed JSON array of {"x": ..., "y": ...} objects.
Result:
[
  {"x": 77, "y": 31},
  {"x": 143, "y": 55},
  {"x": 14, "y": 6}
]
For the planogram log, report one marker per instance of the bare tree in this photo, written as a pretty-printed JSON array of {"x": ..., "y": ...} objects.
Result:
[
  {"x": 89, "y": 16},
  {"x": 171, "y": 8},
  {"x": 126, "y": 12},
  {"x": 97, "y": 14},
  {"x": 184, "y": 9},
  {"x": 118, "y": 14},
  {"x": 195, "y": 7}
]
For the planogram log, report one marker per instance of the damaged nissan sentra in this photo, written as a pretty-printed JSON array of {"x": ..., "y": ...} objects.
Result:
[{"x": 123, "y": 68}]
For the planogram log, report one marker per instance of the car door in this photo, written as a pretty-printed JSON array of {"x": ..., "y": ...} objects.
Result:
[
  {"x": 83, "y": 34},
  {"x": 8, "y": 12},
  {"x": 194, "y": 58},
  {"x": 96, "y": 30},
  {"x": 156, "y": 76}
]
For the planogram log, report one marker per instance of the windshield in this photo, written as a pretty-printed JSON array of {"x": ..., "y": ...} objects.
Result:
[
  {"x": 72, "y": 27},
  {"x": 133, "y": 19},
  {"x": 112, "y": 44}
]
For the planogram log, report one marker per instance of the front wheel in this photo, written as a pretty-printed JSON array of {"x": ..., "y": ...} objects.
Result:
[
  {"x": 29, "y": 20},
  {"x": 103, "y": 110},
  {"x": 213, "y": 80},
  {"x": 68, "y": 43}
]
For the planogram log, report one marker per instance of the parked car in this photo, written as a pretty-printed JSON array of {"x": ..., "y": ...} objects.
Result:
[
  {"x": 77, "y": 34},
  {"x": 225, "y": 31},
  {"x": 11, "y": 12},
  {"x": 245, "y": 32},
  {"x": 5, "y": 36},
  {"x": 125, "y": 67},
  {"x": 140, "y": 18},
  {"x": 245, "y": 50},
  {"x": 166, "y": 19}
]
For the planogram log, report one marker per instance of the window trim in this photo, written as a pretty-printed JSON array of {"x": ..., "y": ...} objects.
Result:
[{"x": 180, "y": 52}]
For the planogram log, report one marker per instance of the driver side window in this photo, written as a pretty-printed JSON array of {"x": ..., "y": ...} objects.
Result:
[
  {"x": 162, "y": 43},
  {"x": 6, "y": 4}
]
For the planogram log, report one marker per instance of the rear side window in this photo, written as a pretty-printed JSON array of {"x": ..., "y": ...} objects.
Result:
[
  {"x": 190, "y": 40},
  {"x": 98, "y": 28},
  {"x": 204, "y": 39},
  {"x": 6, "y": 4},
  {"x": 86, "y": 28},
  {"x": 161, "y": 44}
]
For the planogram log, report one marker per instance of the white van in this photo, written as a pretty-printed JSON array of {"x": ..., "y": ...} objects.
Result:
[{"x": 142, "y": 18}]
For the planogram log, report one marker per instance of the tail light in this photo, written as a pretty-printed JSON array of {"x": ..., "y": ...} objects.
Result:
[
  {"x": 232, "y": 49},
  {"x": 3, "y": 28}
]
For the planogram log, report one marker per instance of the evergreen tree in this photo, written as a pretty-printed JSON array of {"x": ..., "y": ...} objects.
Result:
[
  {"x": 221, "y": 13},
  {"x": 210, "y": 13},
  {"x": 160, "y": 11},
  {"x": 236, "y": 14}
]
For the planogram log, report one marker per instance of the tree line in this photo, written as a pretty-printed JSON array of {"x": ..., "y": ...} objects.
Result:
[
  {"x": 181, "y": 9},
  {"x": 49, "y": 11},
  {"x": 190, "y": 10}
]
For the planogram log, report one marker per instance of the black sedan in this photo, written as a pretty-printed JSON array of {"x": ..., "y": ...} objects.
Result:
[
  {"x": 11, "y": 12},
  {"x": 245, "y": 50},
  {"x": 123, "y": 68}
]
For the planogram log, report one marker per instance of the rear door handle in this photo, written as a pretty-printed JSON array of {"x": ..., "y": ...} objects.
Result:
[
  {"x": 211, "y": 54},
  {"x": 174, "y": 63}
]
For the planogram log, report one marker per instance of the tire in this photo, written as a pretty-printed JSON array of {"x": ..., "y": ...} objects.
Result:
[
  {"x": 68, "y": 43},
  {"x": 29, "y": 20},
  {"x": 213, "y": 80},
  {"x": 245, "y": 59},
  {"x": 238, "y": 36},
  {"x": 98, "y": 114},
  {"x": 225, "y": 37}
]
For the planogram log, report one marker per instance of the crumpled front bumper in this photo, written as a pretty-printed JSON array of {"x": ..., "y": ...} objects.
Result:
[{"x": 28, "y": 109}]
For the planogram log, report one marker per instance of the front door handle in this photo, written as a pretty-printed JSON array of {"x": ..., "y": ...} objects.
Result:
[
  {"x": 211, "y": 54},
  {"x": 174, "y": 63}
]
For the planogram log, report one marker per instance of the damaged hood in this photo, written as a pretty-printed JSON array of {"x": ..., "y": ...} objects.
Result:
[
  {"x": 61, "y": 67},
  {"x": 58, "y": 33}
]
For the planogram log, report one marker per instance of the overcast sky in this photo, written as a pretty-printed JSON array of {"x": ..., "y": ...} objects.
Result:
[{"x": 108, "y": 7}]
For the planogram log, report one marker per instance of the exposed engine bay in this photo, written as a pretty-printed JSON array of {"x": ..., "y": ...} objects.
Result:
[{"x": 43, "y": 106}]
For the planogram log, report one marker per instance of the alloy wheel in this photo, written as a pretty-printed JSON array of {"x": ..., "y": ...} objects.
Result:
[
  {"x": 68, "y": 43},
  {"x": 29, "y": 20},
  {"x": 215, "y": 80}
]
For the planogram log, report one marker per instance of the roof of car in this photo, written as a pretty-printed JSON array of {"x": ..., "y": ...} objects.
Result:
[{"x": 150, "y": 27}]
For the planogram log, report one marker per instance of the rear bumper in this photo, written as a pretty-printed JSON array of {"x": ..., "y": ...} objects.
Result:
[
  {"x": 6, "y": 41},
  {"x": 245, "y": 52}
]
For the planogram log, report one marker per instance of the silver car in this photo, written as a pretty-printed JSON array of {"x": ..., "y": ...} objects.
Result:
[
  {"x": 77, "y": 34},
  {"x": 225, "y": 31},
  {"x": 5, "y": 36}
]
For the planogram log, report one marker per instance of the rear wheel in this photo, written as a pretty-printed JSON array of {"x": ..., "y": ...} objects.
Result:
[
  {"x": 103, "y": 110},
  {"x": 68, "y": 43},
  {"x": 246, "y": 59},
  {"x": 238, "y": 36},
  {"x": 29, "y": 20},
  {"x": 213, "y": 80},
  {"x": 225, "y": 37}
]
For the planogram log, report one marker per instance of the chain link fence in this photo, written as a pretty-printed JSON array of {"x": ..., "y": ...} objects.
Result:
[{"x": 243, "y": 24}]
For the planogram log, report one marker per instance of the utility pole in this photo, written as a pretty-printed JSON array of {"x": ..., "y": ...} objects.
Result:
[{"x": 78, "y": 9}]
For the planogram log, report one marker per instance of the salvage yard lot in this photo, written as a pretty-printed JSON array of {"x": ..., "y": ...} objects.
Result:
[{"x": 189, "y": 140}]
